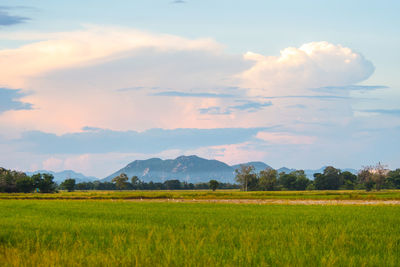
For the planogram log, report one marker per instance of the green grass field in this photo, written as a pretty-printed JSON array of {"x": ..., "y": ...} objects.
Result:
[
  {"x": 124, "y": 233},
  {"x": 219, "y": 194}
]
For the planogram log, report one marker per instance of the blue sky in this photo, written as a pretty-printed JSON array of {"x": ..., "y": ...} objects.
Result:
[{"x": 91, "y": 86}]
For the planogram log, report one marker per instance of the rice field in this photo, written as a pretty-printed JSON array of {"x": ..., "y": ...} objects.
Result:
[
  {"x": 131, "y": 233},
  {"x": 219, "y": 194}
]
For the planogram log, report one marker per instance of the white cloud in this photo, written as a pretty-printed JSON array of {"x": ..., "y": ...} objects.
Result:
[
  {"x": 313, "y": 65},
  {"x": 74, "y": 79},
  {"x": 90, "y": 46}
]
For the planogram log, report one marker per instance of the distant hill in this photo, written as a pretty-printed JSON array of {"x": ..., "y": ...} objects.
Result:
[
  {"x": 192, "y": 169},
  {"x": 185, "y": 168},
  {"x": 59, "y": 177}
]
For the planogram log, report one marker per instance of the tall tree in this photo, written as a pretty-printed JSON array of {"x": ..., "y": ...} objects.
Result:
[
  {"x": 68, "y": 184},
  {"x": 121, "y": 181},
  {"x": 25, "y": 184},
  {"x": 245, "y": 176},
  {"x": 44, "y": 182},
  {"x": 331, "y": 179},
  {"x": 380, "y": 173},
  {"x": 394, "y": 178},
  {"x": 213, "y": 184},
  {"x": 349, "y": 180},
  {"x": 267, "y": 179},
  {"x": 365, "y": 178}
]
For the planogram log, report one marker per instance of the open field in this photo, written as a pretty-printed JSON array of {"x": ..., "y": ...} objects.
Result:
[
  {"x": 125, "y": 233},
  {"x": 219, "y": 194}
]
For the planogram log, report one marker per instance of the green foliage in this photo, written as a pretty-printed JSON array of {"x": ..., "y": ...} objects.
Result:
[
  {"x": 295, "y": 180},
  {"x": 349, "y": 180},
  {"x": 173, "y": 184},
  {"x": 394, "y": 178},
  {"x": 25, "y": 184},
  {"x": 331, "y": 179},
  {"x": 267, "y": 180},
  {"x": 213, "y": 184},
  {"x": 105, "y": 233},
  {"x": 44, "y": 182},
  {"x": 68, "y": 184},
  {"x": 121, "y": 181},
  {"x": 246, "y": 177},
  {"x": 135, "y": 181}
]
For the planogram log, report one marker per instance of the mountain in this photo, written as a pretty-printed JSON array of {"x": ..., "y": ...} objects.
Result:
[
  {"x": 192, "y": 169},
  {"x": 59, "y": 177},
  {"x": 185, "y": 168}
]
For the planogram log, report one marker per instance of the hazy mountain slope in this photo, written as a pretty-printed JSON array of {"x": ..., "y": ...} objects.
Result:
[
  {"x": 192, "y": 169},
  {"x": 185, "y": 168}
]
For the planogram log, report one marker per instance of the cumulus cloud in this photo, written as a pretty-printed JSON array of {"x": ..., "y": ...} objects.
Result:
[
  {"x": 313, "y": 65},
  {"x": 90, "y": 46},
  {"x": 170, "y": 82}
]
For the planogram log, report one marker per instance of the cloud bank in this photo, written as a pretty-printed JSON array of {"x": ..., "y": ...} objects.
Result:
[
  {"x": 313, "y": 65},
  {"x": 169, "y": 95}
]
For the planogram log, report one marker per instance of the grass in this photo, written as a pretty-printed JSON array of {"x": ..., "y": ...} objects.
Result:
[
  {"x": 123, "y": 233},
  {"x": 219, "y": 194}
]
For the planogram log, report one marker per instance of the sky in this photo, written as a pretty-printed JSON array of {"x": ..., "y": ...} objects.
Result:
[{"x": 90, "y": 85}]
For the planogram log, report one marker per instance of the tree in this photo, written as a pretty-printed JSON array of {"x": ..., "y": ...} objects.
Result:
[
  {"x": 267, "y": 179},
  {"x": 296, "y": 180},
  {"x": 371, "y": 175},
  {"x": 134, "y": 180},
  {"x": 379, "y": 176},
  {"x": 25, "y": 184},
  {"x": 213, "y": 184},
  {"x": 301, "y": 180},
  {"x": 68, "y": 184},
  {"x": 349, "y": 180},
  {"x": 172, "y": 184},
  {"x": 365, "y": 177},
  {"x": 7, "y": 182},
  {"x": 121, "y": 181},
  {"x": 394, "y": 178},
  {"x": 287, "y": 180},
  {"x": 245, "y": 176},
  {"x": 44, "y": 182},
  {"x": 331, "y": 179}
]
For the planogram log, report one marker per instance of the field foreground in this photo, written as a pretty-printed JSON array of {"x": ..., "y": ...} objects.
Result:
[{"x": 126, "y": 233}]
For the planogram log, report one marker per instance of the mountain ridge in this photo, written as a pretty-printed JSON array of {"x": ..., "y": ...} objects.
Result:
[{"x": 192, "y": 169}]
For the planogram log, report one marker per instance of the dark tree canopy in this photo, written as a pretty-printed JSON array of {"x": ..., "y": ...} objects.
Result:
[
  {"x": 68, "y": 184},
  {"x": 213, "y": 184}
]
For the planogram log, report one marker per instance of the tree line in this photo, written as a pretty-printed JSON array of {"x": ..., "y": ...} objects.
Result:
[
  {"x": 14, "y": 181},
  {"x": 18, "y": 182},
  {"x": 370, "y": 177},
  {"x": 122, "y": 182}
]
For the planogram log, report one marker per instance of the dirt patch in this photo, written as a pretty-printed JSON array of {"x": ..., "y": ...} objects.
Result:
[{"x": 276, "y": 201}]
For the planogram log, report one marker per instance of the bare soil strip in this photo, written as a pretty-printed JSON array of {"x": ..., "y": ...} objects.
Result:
[{"x": 276, "y": 201}]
